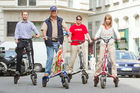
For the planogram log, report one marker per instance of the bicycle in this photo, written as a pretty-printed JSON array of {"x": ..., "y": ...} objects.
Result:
[
  {"x": 59, "y": 68},
  {"x": 104, "y": 73},
  {"x": 84, "y": 75},
  {"x": 28, "y": 51}
]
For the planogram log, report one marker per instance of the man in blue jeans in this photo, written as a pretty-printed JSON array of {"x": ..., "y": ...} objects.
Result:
[{"x": 53, "y": 27}]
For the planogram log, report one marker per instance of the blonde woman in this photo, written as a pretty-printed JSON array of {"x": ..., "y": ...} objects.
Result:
[{"x": 106, "y": 30}]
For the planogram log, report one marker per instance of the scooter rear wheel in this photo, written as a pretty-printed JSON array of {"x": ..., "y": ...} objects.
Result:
[
  {"x": 84, "y": 79},
  {"x": 16, "y": 78},
  {"x": 34, "y": 79}
]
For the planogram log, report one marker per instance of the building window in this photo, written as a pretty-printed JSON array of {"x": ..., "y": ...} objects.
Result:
[
  {"x": 97, "y": 25},
  {"x": 107, "y": 3},
  {"x": 90, "y": 4},
  {"x": 32, "y": 2},
  {"x": 137, "y": 46},
  {"x": 124, "y": 42},
  {"x": 116, "y": 21},
  {"x": 124, "y": 1},
  {"x": 116, "y": 2},
  {"x": 98, "y": 3},
  {"x": 70, "y": 3},
  {"x": 126, "y": 23},
  {"x": 90, "y": 28},
  {"x": 11, "y": 28},
  {"x": 26, "y": 2},
  {"x": 12, "y": 25},
  {"x": 137, "y": 26},
  {"x": 22, "y": 2},
  {"x": 38, "y": 26}
]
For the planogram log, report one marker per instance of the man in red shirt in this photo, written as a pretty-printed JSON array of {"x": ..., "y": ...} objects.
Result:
[{"x": 78, "y": 32}]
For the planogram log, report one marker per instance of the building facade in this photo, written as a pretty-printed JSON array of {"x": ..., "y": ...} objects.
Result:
[
  {"x": 10, "y": 14},
  {"x": 126, "y": 15}
]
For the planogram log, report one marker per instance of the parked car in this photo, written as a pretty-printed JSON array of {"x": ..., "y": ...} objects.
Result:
[
  {"x": 40, "y": 56},
  {"x": 127, "y": 63},
  {"x": 8, "y": 62},
  {"x": 138, "y": 58}
]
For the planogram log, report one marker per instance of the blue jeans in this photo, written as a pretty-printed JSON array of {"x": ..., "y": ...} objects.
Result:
[{"x": 50, "y": 56}]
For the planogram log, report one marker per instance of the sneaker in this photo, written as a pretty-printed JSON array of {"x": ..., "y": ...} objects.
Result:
[{"x": 46, "y": 74}]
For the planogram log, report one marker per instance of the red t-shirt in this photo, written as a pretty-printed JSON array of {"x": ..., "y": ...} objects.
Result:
[{"x": 78, "y": 33}]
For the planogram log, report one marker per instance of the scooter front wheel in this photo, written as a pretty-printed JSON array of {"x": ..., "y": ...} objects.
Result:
[
  {"x": 69, "y": 77},
  {"x": 84, "y": 79},
  {"x": 44, "y": 81},
  {"x": 116, "y": 81},
  {"x": 103, "y": 81},
  {"x": 65, "y": 82}
]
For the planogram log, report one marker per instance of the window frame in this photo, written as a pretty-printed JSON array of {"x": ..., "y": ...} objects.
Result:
[
  {"x": 28, "y": 4},
  {"x": 69, "y": 4},
  {"x": 10, "y": 26}
]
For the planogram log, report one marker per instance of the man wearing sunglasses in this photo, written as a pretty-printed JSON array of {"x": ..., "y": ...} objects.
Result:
[
  {"x": 78, "y": 32},
  {"x": 53, "y": 27}
]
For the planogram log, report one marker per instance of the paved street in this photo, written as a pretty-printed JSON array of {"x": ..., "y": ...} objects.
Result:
[{"x": 127, "y": 85}]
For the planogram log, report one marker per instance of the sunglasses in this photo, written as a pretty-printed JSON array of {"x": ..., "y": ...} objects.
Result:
[{"x": 79, "y": 19}]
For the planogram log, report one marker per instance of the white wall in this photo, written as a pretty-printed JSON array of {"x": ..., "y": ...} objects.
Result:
[
  {"x": 8, "y": 2},
  {"x": 1, "y": 25}
]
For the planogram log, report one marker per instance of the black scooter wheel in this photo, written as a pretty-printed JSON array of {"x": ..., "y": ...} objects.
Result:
[
  {"x": 84, "y": 79},
  {"x": 44, "y": 81},
  {"x": 16, "y": 78},
  {"x": 65, "y": 83},
  {"x": 69, "y": 77},
  {"x": 34, "y": 79},
  {"x": 103, "y": 82},
  {"x": 116, "y": 83}
]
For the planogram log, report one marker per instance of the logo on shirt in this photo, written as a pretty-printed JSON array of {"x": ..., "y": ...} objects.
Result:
[{"x": 78, "y": 29}]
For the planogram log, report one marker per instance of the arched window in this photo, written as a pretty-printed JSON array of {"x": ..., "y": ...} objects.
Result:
[
  {"x": 116, "y": 20},
  {"x": 126, "y": 22}
]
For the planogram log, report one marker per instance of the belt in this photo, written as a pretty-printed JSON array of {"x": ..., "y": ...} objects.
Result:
[
  {"x": 54, "y": 40},
  {"x": 24, "y": 39}
]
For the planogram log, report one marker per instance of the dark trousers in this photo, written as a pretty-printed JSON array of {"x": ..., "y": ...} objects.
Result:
[{"x": 22, "y": 46}]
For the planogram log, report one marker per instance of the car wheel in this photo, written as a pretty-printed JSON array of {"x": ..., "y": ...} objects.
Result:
[
  {"x": 137, "y": 76},
  {"x": 38, "y": 67},
  {"x": 1, "y": 74},
  {"x": 130, "y": 76},
  {"x": 123, "y": 75}
]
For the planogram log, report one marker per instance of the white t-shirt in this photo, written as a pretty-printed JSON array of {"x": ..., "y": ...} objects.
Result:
[{"x": 104, "y": 33}]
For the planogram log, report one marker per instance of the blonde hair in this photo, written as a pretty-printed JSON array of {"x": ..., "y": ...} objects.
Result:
[{"x": 110, "y": 18}]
